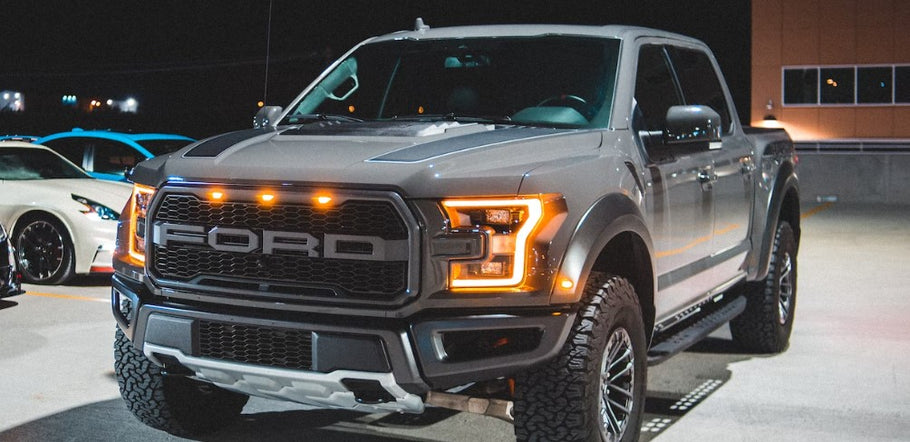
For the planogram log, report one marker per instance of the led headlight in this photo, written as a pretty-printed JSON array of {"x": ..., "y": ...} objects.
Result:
[
  {"x": 507, "y": 227},
  {"x": 96, "y": 208},
  {"x": 138, "y": 209}
]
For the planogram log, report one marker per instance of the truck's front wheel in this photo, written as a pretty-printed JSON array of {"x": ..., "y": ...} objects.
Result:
[
  {"x": 178, "y": 405},
  {"x": 594, "y": 390}
]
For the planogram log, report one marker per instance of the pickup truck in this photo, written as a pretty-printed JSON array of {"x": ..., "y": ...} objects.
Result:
[{"x": 509, "y": 220}]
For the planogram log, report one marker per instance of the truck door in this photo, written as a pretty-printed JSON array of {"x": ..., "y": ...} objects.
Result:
[
  {"x": 681, "y": 197},
  {"x": 732, "y": 174}
]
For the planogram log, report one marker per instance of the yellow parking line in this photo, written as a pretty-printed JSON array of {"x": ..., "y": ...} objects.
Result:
[
  {"x": 73, "y": 297},
  {"x": 817, "y": 209}
]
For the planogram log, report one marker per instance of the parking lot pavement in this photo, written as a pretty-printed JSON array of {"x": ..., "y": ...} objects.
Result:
[{"x": 843, "y": 378}]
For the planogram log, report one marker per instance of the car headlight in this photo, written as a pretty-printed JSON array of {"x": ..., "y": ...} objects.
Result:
[
  {"x": 95, "y": 208},
  {"x": 507, "y": 229},
  {"x": 131, "y": 232}
]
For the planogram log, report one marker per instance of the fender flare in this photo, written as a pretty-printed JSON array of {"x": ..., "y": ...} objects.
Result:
[
  {"x": 786, "y": 182},
  {"x": 606, "y": 219}
]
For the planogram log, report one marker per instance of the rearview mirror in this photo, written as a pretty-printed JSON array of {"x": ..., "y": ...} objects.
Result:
[
  {"x": 266, "y": 115},
  {"x": 692, "y": 124}
]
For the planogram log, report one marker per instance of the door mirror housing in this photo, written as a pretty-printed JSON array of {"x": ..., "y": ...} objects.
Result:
[
  {"x": 266, "y": 116},
  {"x": 692, "y": 124}
]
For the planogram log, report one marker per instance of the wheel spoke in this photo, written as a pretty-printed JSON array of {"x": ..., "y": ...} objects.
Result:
[
  {"x": 623, "y": 391},
  {"x": 621, "y": 407},
  {"x": 627, "y": 369},
  {"x": 623, "y": 358}
]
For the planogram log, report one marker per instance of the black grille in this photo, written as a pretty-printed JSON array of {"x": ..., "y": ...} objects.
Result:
[
  {"x": 282, "y": 348},
  {"x": 285, "y": 273},
  {"x": 356, "y": 278},
  {"x": 371, "y": 218}
]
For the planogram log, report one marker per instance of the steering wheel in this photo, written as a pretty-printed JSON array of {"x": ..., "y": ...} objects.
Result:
[{"x": 573, "y": 101}]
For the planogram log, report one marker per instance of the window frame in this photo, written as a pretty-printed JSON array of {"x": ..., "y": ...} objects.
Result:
[{"x": 856, "y": 87}]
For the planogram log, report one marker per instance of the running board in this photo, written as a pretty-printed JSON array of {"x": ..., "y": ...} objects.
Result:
[{"x": 694, "y": 333}]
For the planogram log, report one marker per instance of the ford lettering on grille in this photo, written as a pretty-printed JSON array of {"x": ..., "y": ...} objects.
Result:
[{"x": 270, "y": 242}]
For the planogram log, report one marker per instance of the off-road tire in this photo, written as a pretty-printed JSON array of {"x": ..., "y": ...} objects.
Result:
[
  {"x": 766, "y": 323},
  {"x": 178, "y": 405},
  {"x": 562, "y": 400},
  {"x": 37, "y": 239}
]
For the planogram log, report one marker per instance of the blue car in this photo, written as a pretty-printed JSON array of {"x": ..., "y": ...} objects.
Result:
[{"x": 108, "y": 155}]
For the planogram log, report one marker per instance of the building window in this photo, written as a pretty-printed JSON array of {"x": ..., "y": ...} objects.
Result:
[
  {"x": 801, "y": 86},
  {"x": 902, "y": 84},
  {"x": 873, "y": 85},
  {"x": 838, "y": 85}
]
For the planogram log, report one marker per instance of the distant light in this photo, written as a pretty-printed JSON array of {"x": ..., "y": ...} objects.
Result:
[
  {"x": 17, "y": 95},
  {"x": 351, "y": 109},
  {"x": 420, "y": 110},
  {"x": 260, "y": 103},
  {"x": 131, "y": 102},
  {"x": 110, "y": 102},
  {"x": 6, "y": 96}
]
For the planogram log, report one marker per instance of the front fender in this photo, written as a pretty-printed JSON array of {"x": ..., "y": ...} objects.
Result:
[{"x": 605, "y": 220}]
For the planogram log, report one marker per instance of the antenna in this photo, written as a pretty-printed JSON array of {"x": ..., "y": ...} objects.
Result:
[{"x": 268, "y": 49}]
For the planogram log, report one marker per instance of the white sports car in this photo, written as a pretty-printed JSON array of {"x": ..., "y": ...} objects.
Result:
[{"x": 61, "y": 220}]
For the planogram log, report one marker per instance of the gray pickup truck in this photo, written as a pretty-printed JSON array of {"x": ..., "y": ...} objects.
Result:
[{"x": 510, "y": 220}]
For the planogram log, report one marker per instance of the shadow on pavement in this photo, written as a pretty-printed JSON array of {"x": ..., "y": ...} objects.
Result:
[
  {"x": 678, "y": 385},
  {"x": 110, "y": 421}
]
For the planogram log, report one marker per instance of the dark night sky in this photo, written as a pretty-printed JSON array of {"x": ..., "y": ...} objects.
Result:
[{"x": 199, "y": 67}]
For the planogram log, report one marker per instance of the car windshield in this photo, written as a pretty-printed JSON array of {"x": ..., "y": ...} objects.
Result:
[
  {"x": 163, "y": 146},
  {"x": 35, "y": 164},
  {"x": 558, "y": 81}
]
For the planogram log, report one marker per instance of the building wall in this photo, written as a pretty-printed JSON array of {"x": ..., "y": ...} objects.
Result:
[{"x": 828, "y": 32}]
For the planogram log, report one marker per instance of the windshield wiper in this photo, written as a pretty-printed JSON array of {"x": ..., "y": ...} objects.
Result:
[{"x": 306, "y": 118}]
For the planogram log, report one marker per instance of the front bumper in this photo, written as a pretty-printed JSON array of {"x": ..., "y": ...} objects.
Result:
[{"x": 373, "y": 365}]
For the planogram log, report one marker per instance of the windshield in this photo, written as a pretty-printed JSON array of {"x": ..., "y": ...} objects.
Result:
[
  {"x": 552, "y": 81},
  {"x": 35, "y": 164},
  {"x": 163, "y": 146}
]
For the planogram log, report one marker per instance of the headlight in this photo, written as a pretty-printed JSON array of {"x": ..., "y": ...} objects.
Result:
[
  {"x": 136, "y": 210},
  {"x": 507, "y": 228},
  {"x": 96, "y": 208}
]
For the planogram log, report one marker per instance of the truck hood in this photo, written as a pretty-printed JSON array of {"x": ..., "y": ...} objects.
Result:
[{"x": 419, "y": 159}]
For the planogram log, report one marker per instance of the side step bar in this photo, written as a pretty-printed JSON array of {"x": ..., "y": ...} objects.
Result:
[{"x": 694, "y": 333}]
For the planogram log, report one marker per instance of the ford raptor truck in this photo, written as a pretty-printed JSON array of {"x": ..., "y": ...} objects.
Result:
[{"x": 509, "y": 220}]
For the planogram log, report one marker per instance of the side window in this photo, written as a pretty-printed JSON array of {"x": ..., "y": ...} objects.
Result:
[
  {"x": 72, "y": 149},
  {"x": 655, "y": 92},
  {"x": 699, "y": 81},
  {"x": 113, "y": 157}
]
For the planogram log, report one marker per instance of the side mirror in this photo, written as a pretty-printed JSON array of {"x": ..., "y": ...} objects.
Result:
[
  {"x": 266, "y": 116},
  {"x": 692, "y": 124}
]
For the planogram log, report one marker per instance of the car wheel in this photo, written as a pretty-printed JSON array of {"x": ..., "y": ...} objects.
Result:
[
  {"x": 766, "y": 323},
  {"x": 175, "y": 404},
  {"x": 44, "y": 251},
  {"x": 594, "y": 390}
]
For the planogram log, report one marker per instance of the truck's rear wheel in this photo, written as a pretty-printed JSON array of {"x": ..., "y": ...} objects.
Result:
[
  {"x": 594, "y": 390},
  {"x": 178, "y": 405},
  {"x": 765, "y": 325}
]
